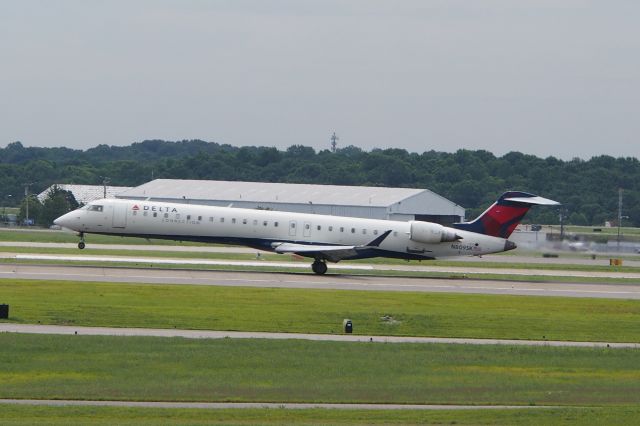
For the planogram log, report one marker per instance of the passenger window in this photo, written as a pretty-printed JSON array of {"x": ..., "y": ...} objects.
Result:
[
  {"x": 353, "y": 230},
  {"x": 233, "y": 220},
  {"x": 319, "y": 227},
  {"x": 199, "y": 217},
  {"x": 293, "y": 225},
  {"x": 210, "y": 218},
  {"x": 222, "y": 220},
  {"x": 364, "y": 232},
  {"x": 264, "y": 223},
  {"x": 395, "y": 233},
  {"x": 177, "y": 215},
  {"x": 275, "y": 224},
  {"x": 255, "y": 222},
  {"x": 341, "y": 229},
  {"x": 375, "y": 232},
  {"x": 135, "y": 212},
  {"x": 166, "y": 215},
  {"x": 307, "y": 226},
  {"x": 331, "y": 229},
  {"x": 244, "y": 221},
  {"x": 144, "y": 213},
  {"x": 188, "y": 217},
  {"x": 155, "y": 214}
]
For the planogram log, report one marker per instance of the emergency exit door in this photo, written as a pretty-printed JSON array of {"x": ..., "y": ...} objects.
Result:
[{"x": 120, "y": 216}]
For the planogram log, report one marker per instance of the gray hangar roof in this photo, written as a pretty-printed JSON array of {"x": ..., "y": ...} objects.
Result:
[
  {"x": 85, "y": 193},
  {"x": 397, "y": 199},
  {"x": 271, "y": 192}
]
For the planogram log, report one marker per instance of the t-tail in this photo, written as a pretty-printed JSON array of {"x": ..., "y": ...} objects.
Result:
[{"x": 504, "y": 215}]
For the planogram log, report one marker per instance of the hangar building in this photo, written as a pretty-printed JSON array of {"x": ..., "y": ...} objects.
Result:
[
  {"x": 357, "y": 201},
  {"x": 85, "y": 193}
]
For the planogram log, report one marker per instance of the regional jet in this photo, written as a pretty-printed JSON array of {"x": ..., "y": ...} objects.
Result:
[{"x": 319, "y": 237}]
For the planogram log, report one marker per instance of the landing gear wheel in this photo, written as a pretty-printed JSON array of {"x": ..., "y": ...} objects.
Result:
[
  {"x": 81, "y": 245},
  {"x": 319, "y": 267}
]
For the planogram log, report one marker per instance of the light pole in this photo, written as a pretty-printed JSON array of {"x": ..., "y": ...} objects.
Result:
[
  {"x": 4, "y": 207},
  {"x": 26, "y": 199},
  {"x": 105, "y": 181}
]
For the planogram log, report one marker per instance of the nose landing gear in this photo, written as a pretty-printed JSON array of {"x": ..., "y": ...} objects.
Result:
[
  {"x": 319, "y": 267},
  {"x": 81, "y": 244}
]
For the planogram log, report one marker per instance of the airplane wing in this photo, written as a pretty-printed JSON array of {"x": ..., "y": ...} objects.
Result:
[{"x": 331, "y": 253}]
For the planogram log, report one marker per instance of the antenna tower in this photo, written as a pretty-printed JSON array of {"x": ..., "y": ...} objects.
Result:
[{"x": 334, "y": 142}]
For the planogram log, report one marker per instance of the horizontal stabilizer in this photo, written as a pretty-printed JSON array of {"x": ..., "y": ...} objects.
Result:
[{"x": 539, "y": 201}]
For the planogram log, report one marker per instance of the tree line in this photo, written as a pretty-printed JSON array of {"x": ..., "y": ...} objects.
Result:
[{"x": 588, "y": 189}]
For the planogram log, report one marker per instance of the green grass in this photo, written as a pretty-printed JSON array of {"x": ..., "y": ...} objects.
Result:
[
  {"x": 244, "y": 370},
  {"x": 320, "y": 311},
  {"x": 97, "y": 416}
]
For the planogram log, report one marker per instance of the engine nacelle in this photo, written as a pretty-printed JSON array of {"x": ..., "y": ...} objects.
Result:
[{"x": 431, "y": 233}]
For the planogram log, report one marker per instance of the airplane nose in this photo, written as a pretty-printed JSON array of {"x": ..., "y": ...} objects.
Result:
[{"x": 64, "y": 221}]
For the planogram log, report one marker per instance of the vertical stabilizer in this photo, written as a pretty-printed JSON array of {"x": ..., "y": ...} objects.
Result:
[{"x": 504, "y": 215}]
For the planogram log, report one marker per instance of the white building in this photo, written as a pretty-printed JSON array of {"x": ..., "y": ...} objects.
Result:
[{"x": 357, "y": 201}]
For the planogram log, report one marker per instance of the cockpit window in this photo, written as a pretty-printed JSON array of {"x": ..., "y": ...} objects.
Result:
[{"x": 95, "y": 208}]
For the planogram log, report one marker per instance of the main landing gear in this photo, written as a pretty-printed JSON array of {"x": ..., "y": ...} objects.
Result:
[
  {"x": 81, "y": 243},
  {"x": 319, "y": 267}
]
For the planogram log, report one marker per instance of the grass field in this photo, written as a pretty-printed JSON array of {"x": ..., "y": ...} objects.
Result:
[
  {"x": 604, "y": 383},
  {"x": 99, "y": 416},
  {"x": 321, "y": 311},
  {"x": 174, "y": 369}
]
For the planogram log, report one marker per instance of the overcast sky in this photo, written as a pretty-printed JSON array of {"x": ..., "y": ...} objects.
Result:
[{"x": 545, "y": 77}]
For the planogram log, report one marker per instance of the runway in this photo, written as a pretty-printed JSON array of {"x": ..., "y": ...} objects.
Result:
[
  {"x": 307, "y": 280},
  {"x": 305, "y": 265}
]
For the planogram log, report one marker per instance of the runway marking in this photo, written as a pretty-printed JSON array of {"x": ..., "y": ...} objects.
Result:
[
  {"x": 265, "y": 405},
  {"x": 215, "y": 334}
]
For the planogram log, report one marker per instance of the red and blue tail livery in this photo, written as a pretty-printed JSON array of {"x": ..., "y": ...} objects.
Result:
[{"x": 504, "y": 215}]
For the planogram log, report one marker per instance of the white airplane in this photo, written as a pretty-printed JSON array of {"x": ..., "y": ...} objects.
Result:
[{"x": 320, "y": 237}]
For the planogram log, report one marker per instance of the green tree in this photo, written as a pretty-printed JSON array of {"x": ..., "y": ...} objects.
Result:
[
  {"x": 35, "y": 210},
  {"x": 57, "y": 203}
]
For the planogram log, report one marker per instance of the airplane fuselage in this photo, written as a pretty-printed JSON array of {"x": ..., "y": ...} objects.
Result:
[{"x": 266, "y": 229}]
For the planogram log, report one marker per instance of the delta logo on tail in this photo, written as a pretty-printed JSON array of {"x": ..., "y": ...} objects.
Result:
[{"x": 502, "y": 218}]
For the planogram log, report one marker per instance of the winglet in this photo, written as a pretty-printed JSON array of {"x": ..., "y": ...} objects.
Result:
[{"x": 379, "y": 240}]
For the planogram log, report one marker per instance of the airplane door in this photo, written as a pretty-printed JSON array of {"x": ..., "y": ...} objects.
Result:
[
  {"x": 120, "y": 216},
  {"x": 307, "y": 229},
  {"x": 292, "y": 228}
]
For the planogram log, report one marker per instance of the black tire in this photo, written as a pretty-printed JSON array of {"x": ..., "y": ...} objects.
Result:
[
  {"x": 81, "y": 245},
  {"x": 319, "y": 268}
]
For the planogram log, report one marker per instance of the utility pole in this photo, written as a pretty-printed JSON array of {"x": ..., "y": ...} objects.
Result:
[{"x": 619, "y": 214}]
